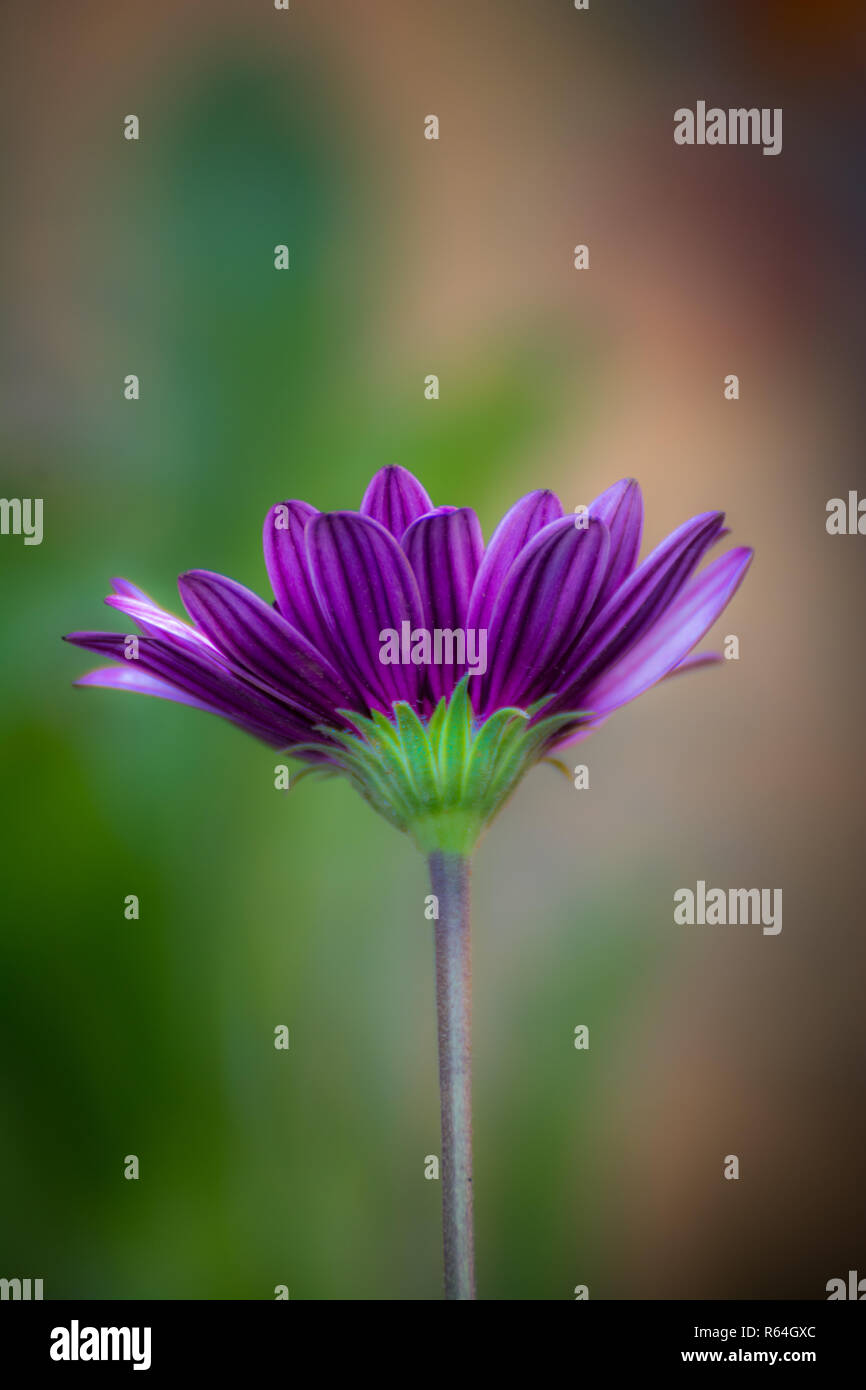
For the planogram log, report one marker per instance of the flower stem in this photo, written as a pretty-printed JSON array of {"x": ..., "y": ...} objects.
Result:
[{"x": 449, "y": 876}]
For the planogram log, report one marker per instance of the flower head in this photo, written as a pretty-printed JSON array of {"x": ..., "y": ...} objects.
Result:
[{"x": 429, "y": 669}]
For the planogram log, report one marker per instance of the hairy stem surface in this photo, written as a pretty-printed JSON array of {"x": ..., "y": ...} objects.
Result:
[{"x": 449, "y": 875}]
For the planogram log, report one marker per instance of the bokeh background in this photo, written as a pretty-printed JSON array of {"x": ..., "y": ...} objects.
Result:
[{"x": 411, "y": 257}]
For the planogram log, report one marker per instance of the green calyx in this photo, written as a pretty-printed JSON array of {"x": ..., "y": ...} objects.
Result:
[{"x": 441, "y": 781}]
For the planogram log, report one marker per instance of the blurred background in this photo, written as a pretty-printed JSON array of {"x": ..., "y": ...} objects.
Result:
[{"x": 408, "y": 257}]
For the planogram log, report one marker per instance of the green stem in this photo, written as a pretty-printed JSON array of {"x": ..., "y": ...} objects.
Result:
[{"x": 449, "y": 876}]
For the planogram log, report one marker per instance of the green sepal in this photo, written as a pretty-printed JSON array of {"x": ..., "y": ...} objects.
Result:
[
  {"x": 441, "y": 781},
  {"x": 454, "y": 742}
]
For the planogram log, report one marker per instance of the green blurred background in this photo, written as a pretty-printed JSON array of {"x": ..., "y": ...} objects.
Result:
[{"x": 409, "y": 257}]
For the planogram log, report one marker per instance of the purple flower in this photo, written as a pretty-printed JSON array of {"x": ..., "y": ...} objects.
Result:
[
  {"x": 343, "y": 670},
  {"x": 570, "y": 618}
]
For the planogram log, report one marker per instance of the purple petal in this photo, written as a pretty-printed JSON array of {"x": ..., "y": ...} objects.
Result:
[
  {"x": 158, "y": 622},
  {"x": 288, "y": 571},
  {"x": 395, "y": 499},
  {"x": 445, "y": 550},
  {"x": 127, "y": 590},
  {"x": 524, "y": 520},
  {"x": 621, "y": 510},
  {"x": 691, "y": 663},
  {"x": 543, "y": 604},
  {"x": 198, "y": 680},
  {"x": 666, "y": 645},
  {"x": 364, "y": 585},
  {"x": 131, "y": 678},
  {"x": 249, "y": 631},
  {"x": 127, "y": 678},
  {"x": 639, "y": 602}
]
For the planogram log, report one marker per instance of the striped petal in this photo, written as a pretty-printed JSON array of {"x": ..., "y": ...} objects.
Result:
[
  {"x": 155, "y": 621},
  {"x": 289, "y": 572},
  {"x": 445, "y": 550},
  {"x": 249, "y": 631},
  {"x": 197, "y": 679},
  {"x": 516, "y": 529},
  {"x": 395, "y": 499},
  {"x": 639, "y": 602},
  {"x": 364, "y": 586},
  {"x": 142, "y": 682},
  {"x": 669, "y": 641},
  {"x": 547, "y": 595},
  {"x": 126, "y": 678},
  {"x": 621, "y": 510}
]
